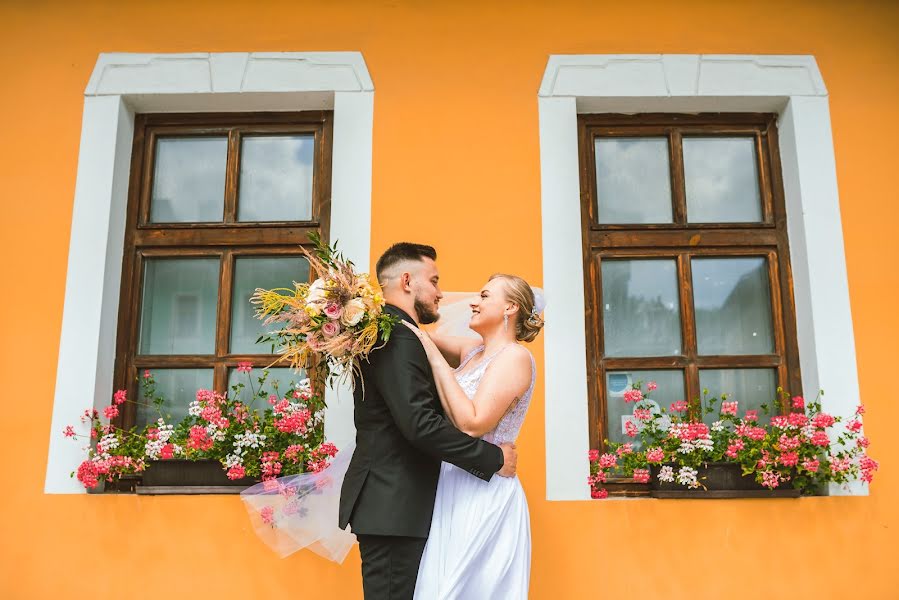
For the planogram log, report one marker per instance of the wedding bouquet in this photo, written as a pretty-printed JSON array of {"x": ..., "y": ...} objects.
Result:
[{"x": 329, "y": 325}]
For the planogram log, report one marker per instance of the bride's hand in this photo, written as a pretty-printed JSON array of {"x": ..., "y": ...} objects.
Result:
[{"x": 431, "y": 349}]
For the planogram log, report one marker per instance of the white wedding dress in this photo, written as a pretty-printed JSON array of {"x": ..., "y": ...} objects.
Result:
[{"x": 480, "y": 540}]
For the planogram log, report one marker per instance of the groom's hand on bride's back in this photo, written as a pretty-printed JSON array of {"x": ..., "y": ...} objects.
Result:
[{"x": 510, "y": 460}]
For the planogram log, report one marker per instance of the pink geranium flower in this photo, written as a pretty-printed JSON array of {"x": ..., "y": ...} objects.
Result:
[
  {"x": 655, "y": 455},
  {"x": 641, "y": 475},
  {"x": 111, "y": 411},
  {"x": 119, "y": 397},
  {"x": 798, "y": 403},
  {"x": 751, "y": 416},
  {"x": 593, "y": 455},
  {"x": 237, "y": 472},
  {"x": 679, "y": 406},
  {"x": 607, "y": 460},
  {"x": 599, "y": 494},
  {"x": 729, "y": 408},
  {"x": 820, "y": 438},
  {"x": 69, "y": 431},
  {"x": 630, "y": 430},
  {"x": 633, "y": 395},
  {"x": 244, "y": 367}
]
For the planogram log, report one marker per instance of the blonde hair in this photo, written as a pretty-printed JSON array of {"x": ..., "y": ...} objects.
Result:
[{"x": 527, "y": 323}]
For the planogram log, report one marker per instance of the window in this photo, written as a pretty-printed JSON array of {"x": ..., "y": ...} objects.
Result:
[
  {"x": 686, "y": 262},
  {"x": 218, "y": 206}
]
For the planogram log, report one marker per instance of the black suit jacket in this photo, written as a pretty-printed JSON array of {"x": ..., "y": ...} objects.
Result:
[{"x": 402, "y": 435}]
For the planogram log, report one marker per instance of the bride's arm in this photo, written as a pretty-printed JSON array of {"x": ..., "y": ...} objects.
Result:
[
  {"x": 454, "y": 348},
  {"x": 506, "y": 381}
]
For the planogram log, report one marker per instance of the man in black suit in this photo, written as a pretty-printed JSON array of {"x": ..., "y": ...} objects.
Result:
[{"x": 402, "y": 435}]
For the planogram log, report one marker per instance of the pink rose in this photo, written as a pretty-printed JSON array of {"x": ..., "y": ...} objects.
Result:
[
  {"x": 333, "y": 310},
  {"x": 331, "y": 328}
]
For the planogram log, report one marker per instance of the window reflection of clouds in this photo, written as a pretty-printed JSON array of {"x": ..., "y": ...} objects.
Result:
[
  {"x": 189, "y": 180},
  {"x": 722, "y": 180},
  {"x": 633, "y": 180},
  {"x": 641, "y": 308},
  {"x": 733, "y": 306},
  {"x": 276, "y": 178}
]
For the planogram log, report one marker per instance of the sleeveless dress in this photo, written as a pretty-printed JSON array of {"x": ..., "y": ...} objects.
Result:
[{"x": 480, "y": 540}]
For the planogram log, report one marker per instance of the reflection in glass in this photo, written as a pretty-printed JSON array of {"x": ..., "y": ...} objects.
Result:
[
  {"x": 178, "y": 308},
  {"x": 640, "y": 308},
  {"x": 189, "y": 180},
  {"x": 259, "y": 272},
  {"x": 279, "y": 380},
  {"x": 276, "y": 178},
  {"x": 732, "y": 298},
  {"x": 750, "y": 388},
  {"x": 671, "y": 389},
  {"x": 633, "y": 183},
  {"x": 722, "y": 180},
  {"x": 179, "y": 388}
]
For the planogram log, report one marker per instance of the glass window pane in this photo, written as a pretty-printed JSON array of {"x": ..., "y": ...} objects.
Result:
[
  {"x": 722, "y": 180},
  {"x": 178, "y": 309},
  {"x": 189, "y": 180},
  {"x": 671, "y": 389},
  {"x": 732, "y": 297},
  {"x": 252, "y": 273},
  {"x": 641, "y": 308},
  {"x": 281, "y": 378},
  {"x": 750, "y": 388},
  {"x": 633, "y": 182},
  {"x": 276, "y": 178},
  {"x": 179, "y": 388}
]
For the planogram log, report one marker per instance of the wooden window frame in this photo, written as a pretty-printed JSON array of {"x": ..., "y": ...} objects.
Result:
[
  {"x": 681, "y": 241},
  {"x": 224, "y": 240}
]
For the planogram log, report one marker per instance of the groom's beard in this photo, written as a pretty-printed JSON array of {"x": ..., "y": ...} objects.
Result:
[{"x": 426, "y": 313}]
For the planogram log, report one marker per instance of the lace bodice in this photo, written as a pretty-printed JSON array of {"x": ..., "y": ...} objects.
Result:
[{"x": 508, "y": 427}]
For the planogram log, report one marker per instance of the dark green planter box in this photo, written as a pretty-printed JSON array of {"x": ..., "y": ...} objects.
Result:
[
  {"x": 721, "y": 480},
  {"x": 180, "y": 472}
]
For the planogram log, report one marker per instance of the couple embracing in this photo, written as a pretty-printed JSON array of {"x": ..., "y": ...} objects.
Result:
[{"x": 430, "y": 491}]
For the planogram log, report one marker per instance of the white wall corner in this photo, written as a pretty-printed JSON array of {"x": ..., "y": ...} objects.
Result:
[
  {"x": 789, "y": 85},
  {"x": 122, "y": 84}
]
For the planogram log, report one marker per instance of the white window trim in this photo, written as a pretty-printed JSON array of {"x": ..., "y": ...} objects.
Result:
[
  {"x": 123, "y": 84},
  {"x": 790, "y": 86}
]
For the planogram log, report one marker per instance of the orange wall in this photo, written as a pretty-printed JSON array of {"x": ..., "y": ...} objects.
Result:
[{"x": 455, "y": 148}]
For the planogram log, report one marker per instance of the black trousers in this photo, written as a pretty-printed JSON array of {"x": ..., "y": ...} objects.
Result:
[{"x": 390, "y": 565}]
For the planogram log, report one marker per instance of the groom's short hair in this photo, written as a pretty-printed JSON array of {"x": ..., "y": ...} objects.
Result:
[{"x": 401, "y": 252}]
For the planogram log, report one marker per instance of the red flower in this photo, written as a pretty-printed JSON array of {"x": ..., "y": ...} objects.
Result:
[
  {"x": 237, "y": 472},
  {"x": 111, "y": 411},
  {"x": 119, "y": 397},
  {"x": 244, "y": 367},
  {"x": 88, "y": 474},
  {"x": 593, "y": 455},
  {"x": 599, "y": 494}
]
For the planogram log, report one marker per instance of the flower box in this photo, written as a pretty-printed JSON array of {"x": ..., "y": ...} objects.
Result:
[
  {"x": 180, "y": 472},
  {"x": 717, "y": 480}
]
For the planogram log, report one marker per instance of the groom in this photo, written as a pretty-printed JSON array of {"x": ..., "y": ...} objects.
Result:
[{"x": 402, "y": 435}]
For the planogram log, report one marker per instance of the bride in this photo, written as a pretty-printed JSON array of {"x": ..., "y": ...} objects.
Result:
[{"x": 480, "y": 540}]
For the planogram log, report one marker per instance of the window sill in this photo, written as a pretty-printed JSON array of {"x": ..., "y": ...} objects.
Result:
[{"x": 187, "y": 490}]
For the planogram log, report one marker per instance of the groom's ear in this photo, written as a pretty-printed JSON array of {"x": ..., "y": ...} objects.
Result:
[{"x": 406, "y": 281}]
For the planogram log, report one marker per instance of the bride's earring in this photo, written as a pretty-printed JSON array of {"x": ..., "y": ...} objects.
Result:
[{"x": 505, "y": 322}]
